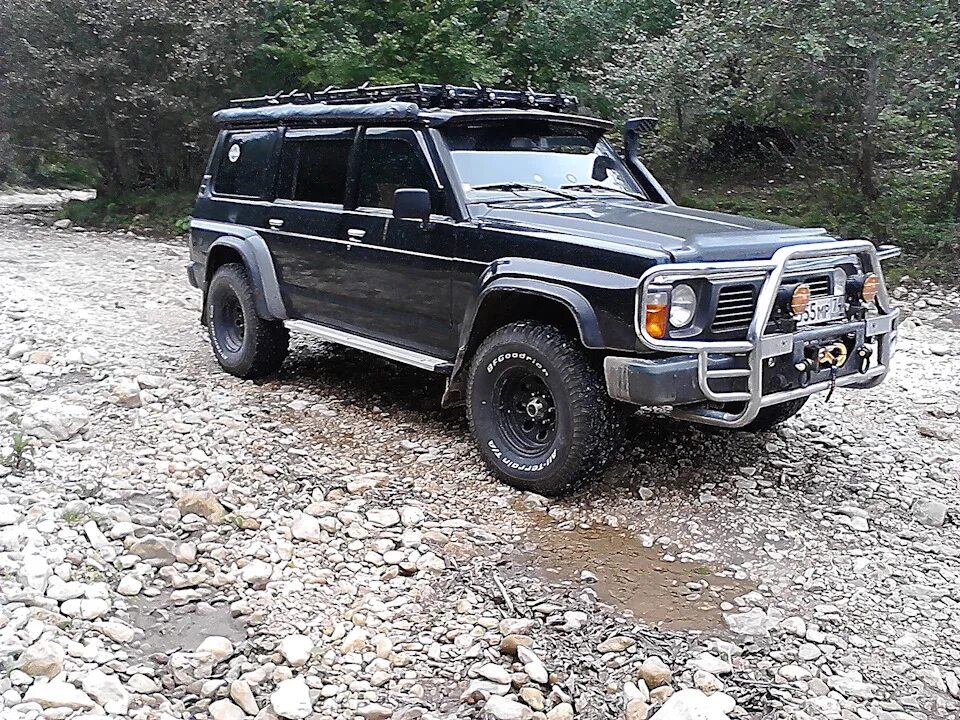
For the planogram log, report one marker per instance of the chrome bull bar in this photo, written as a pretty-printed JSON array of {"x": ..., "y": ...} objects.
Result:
[{"x": 758, "y": 347}]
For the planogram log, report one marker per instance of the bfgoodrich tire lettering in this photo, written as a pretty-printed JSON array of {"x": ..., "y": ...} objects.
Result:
[
  {"x": 539, "y": 409},
  {"x": 244, "y": 344}
]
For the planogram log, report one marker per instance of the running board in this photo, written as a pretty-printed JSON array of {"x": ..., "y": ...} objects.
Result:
[{"x": 377, "y": 347}]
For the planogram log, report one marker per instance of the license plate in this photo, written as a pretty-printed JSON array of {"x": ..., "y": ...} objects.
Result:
[{"x": 822, "y": 310}]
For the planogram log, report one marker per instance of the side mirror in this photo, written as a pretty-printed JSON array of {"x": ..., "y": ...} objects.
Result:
[{"x": 412, "y": 204}]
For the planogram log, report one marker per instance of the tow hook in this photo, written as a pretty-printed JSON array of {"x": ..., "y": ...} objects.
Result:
[
  {"x": 865, "y": 354},
  {"x": 833, "y": 355}
]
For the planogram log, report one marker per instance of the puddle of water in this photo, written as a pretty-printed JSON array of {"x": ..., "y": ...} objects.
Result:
[
  {"x": 168, "y": 628},
  {"x": 632, "y": 577}
]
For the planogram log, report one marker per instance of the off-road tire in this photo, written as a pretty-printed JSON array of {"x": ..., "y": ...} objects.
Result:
[
  {"x": 245, "y": 344},
  {"x": 587, "y": 422},
  {"x": 769, "y": 417}
]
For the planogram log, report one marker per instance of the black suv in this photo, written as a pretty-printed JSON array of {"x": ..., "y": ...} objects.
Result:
[{"x": 497, "y": 238}]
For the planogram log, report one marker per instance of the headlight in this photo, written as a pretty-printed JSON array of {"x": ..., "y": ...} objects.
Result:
[{"x": 683, "y": 305}]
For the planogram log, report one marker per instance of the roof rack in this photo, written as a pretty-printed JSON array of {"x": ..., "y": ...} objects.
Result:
[{"x": 422, "y": 94}]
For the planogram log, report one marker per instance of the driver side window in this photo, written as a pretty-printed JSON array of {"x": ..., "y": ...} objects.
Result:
[{"x": 389, "y": 164}]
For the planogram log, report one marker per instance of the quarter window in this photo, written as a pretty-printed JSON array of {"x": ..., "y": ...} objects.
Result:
[
  {"x": 245, "y": 168},
  {"x": 390, "y": 164},
  {"x": 315, "y": 169}
]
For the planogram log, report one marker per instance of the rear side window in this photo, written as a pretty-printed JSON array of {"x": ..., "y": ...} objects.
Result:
[
  {"x": 245, "y": 164},
  {"x": 314, "y": 169},
  {"x": 391, "y": 163}
]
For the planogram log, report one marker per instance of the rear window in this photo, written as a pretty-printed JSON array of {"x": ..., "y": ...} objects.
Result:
[
  {"x": 315, "y": 169},
  {"x": 245, "y": 164}
]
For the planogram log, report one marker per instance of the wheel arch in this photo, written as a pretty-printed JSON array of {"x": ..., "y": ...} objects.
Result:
[
  {"x": 252, "y": 251},
  {"x": 507, "y": 300}
]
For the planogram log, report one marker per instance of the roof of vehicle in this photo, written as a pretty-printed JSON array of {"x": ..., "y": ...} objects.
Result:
[{"x": 388, "y": 112}]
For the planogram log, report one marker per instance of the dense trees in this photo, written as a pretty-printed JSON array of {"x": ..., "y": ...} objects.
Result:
[{"x": 858, "y": 98}]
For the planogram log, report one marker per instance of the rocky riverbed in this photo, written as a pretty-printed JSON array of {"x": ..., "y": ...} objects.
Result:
[{"x": 175, "y": 542}]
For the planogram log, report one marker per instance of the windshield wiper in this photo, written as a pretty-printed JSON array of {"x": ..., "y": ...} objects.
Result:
[
  {"x": 598, "y": 186},
  {"x": 515, "y": 186}
]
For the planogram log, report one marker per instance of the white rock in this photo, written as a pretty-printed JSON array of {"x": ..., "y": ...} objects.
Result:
[
  {"x": 108, "y": 691},
  {"x": 140, "y": 683},
  {"x": 383, "y": 517},
  {"x": 533, "y": 667},
  {"x": 54, "y": 420},
  {"x": 710, "y": 663},
  {"x": 411, "y": 516},
  {"x": 34, "y": 572},
  {"x": 353, "y": 641},
  {"x": 58, "y": 694},
  {"x": 296, "y": 649},
  {"x": 256, "y": 571},
  {"x": 87, "y": 609},
  {"x": 932, "y": 513},
  {"x": 655, "y": 672},
  {"x": 97, "y": 539},
  {"x": 494, "y": 673},
  {"x": 43, "y": 658},
  {"x": 116, "y": 631},
  {"x": 242, "y": 695},
  {"x": 291, "y": 699},
  {"x": 306, "y": 527},
  {"x": 752, "y": 622},
  {"x": 129, "y": 585},
  {"x": 8, "y": 515},
  {"x": 689, "y": 704},
  {"x": 225, "y": 710},
  {"x": 218, "y": 646},
  {"x": 126, "y": 393},
  {"x": 502, "y": 708}
]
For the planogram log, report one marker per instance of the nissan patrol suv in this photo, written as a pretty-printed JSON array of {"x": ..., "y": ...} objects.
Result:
[{"x": 498, "y": 238}]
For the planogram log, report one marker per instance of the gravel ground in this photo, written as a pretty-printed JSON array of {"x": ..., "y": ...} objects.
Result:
[{"x": 175, "y": 542}]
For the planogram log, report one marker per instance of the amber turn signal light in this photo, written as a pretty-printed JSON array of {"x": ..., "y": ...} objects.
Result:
[
  {"x": 656, "y": 314},
  {"x": 800, "y": 298},
  {"x": 871, "y": 285}
]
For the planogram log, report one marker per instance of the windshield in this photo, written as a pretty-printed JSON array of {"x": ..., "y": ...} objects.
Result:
[{"x": 535, "y": 157}]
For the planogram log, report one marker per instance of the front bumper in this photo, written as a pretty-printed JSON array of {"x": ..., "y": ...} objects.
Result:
[{"x": 727, "y": 383}]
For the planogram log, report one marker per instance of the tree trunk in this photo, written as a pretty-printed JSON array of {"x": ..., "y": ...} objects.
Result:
[
  {"x": 867, "y": 158},
  {"x": 953, "y": 192}
]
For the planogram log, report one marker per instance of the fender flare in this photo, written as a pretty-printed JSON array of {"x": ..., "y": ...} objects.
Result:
[
  {"x": 259, "y": 263},
  {"x": 583, "y": 313}
]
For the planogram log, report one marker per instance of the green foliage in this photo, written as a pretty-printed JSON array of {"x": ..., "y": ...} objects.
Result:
[
  {"x": 160, "y": 211},
  {"x": 17, "y": 460}
]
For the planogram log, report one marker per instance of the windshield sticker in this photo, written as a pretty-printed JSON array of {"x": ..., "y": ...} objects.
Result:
[{"x": 234, "y": 153}]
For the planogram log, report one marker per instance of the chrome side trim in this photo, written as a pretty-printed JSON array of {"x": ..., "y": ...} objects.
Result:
[{"x": 377, "y": 347}]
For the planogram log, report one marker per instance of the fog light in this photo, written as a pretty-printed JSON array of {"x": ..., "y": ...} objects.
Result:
[
  {"x": 800, "y": 298},
  {"x": 656, "y": 311},
  {"x": 871, "y": 285}
]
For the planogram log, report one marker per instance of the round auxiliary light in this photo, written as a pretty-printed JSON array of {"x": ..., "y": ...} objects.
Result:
[
  {"x": 800, "y": 298},
  {"x": 683, "y": 305},
  {"x": 871, "y": 286}
]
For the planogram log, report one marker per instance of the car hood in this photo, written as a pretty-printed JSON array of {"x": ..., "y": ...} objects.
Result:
[{"x": 685, "y": 234}]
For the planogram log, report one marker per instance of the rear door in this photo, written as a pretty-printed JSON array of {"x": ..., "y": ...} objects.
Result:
[{"x": 305, "y": 222}]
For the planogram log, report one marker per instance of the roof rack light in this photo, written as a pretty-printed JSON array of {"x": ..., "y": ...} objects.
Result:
[{"x": 422, "y": 94}]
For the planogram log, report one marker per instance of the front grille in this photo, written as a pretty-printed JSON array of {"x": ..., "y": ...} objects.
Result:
[
  {"x": 735, "y": 306},
  {"x": 819, "y": 285}
]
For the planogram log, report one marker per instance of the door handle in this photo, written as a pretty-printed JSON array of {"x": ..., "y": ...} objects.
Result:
[
  {"x": 275, "y": 222},
  {"x": 356, "y": 233}
]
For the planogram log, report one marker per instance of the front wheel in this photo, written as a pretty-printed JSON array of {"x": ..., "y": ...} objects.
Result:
[
  {"x": 769, "y": 417},
  {"x": 539, "y": 409}
]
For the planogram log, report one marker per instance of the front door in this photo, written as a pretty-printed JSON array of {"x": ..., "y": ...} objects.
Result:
[{"x": 401, "y": 292}]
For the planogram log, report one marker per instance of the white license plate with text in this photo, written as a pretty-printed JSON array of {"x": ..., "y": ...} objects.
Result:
[{"x": 822, "y": 310}]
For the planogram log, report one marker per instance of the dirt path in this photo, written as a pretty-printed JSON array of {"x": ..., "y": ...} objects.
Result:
[{"x": 337, "y": 502}]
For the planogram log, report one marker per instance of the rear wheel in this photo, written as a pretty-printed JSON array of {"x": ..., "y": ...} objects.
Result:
[
  {"x": 539, "y": 409},
  {"x": 244, "y": 344},
  {"x": 769, "y": 417}
]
